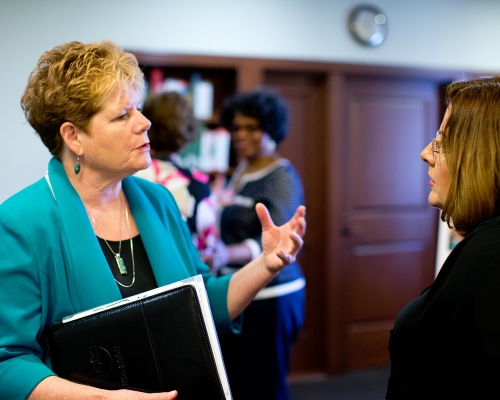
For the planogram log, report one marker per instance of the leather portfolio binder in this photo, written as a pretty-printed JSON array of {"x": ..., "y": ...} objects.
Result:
[{"x": 160, "y": 340}]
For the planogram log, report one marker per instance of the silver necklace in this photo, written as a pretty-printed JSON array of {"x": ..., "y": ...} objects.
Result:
[{"x": 118, "y": 258}]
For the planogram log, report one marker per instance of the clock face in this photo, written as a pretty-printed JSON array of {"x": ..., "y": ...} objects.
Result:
[{"x": 368, "y": 25}]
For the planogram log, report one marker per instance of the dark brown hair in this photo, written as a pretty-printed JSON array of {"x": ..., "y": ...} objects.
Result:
[
  {"x": 471, "y": 143},
  {"x": 172, "y": 122}
]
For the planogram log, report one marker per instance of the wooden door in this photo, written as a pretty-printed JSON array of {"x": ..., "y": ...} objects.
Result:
[
  {"x": 305, "y": 94},
  {"x": 388, "y": 229}
]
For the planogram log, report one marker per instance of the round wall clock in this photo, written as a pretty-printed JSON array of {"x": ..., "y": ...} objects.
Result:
[{"x": 368, "y": 25}]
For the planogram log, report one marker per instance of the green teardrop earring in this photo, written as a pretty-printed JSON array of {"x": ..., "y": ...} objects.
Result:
[{"x": 77, "y": 166}]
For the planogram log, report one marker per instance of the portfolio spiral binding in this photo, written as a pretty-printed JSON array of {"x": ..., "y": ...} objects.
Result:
[{"x": 157, "y": 341}]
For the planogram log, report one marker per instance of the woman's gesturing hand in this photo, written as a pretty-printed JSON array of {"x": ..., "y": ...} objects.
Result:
[{"x": 281, "y": 244}]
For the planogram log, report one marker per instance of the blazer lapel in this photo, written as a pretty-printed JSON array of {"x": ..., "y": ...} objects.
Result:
[
  {"x": 158, "y": 236},
  {"x": 90, "y": 276}
]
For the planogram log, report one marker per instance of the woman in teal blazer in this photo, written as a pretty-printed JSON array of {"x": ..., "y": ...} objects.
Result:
[{"x": 83, "y": 102}]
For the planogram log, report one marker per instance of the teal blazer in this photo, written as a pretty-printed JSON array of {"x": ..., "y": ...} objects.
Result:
[{"x": 51, "y": 265}]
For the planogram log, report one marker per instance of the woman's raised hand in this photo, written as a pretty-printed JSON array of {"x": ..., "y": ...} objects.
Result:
[{"x": 281, "y": 244}]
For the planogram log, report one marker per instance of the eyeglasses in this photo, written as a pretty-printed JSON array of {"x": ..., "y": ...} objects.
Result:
[
  {"x": 437, "y": 147},
  {"x": 247, "y": 128}
]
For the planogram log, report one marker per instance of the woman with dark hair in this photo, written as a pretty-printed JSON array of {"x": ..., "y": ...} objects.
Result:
[
  {"x": 257, "y": 360},
  {"x": 446, "y": 343}
]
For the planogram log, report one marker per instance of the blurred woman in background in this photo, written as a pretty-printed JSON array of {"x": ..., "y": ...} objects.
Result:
[
  {"x": 173, "y": 126},
  {"x": 258, "y": 359}
]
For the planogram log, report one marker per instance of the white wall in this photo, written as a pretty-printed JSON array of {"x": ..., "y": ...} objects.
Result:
[{"x": 449, "y": 34}]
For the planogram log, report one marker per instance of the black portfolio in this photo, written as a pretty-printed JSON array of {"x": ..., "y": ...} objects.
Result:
[{"x": 158, "y": 341}]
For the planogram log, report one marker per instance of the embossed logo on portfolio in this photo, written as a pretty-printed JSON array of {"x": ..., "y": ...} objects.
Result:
[
  {"x": 101, "y": 362},
  {"x": 121, "y": 365}
]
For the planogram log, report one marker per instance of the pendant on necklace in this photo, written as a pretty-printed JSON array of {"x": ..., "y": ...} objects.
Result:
[{"x": 121, "y": 264}]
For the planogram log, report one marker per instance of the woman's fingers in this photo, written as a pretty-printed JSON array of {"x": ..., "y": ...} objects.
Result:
[
  {"x": 297, "y": 223},
  {"x": 171, "y": 395},
  {"x": 300, "y": 220},
  {"x": 163, "y": 396},
  {"x": 264, "y": 217},
  {"x": 289, "y": 257},
  {"x": 132, "y": 395}
]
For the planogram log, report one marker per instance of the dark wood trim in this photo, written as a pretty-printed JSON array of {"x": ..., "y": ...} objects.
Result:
[
  {"x": 336, "y": 273},
  {"x": 250, "y": 75},
  {"x": 256, "y": 64}
]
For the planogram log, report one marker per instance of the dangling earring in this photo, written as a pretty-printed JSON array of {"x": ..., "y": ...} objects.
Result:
[
  {"x": 271, "y": 146},
  {"x": 77, "y": 166}
]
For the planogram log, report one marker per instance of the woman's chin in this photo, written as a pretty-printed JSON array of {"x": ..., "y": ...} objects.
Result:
[
  {"x": 434, "y": 201},
  {"x": 144, "y": 163}
]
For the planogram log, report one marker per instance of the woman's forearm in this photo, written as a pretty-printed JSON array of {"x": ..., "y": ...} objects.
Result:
[
  {"x": 55, "y": 388},
  {"x": 245, "y": 284}
]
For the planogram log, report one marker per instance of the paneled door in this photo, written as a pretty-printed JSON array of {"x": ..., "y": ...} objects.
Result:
[{"x": 388, "y": 229}]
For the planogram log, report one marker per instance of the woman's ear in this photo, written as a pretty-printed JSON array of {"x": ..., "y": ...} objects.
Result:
[{"x": 71, "y": 136}]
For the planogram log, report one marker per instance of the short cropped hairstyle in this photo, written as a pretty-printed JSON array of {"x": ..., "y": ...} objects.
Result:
[
  {"x": 471, "y": 143},
  {"x": 70, "y": 84},
  {"x": 265, "y": 105},
  {"x": 172, "y": 122}
]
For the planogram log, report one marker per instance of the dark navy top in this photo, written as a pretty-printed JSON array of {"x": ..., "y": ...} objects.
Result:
[{"x": 279, "y": 188}]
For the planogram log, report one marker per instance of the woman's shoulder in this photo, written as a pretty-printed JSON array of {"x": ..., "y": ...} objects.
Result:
[
  {"x": 30, "y": 199},
  {"x": 149, "y": 188},
  {"x": 285, "y": 166},
  {"x": 283, "y": 174},
  {"x": 156, "y": 194},
  {"x": 280, "y": 166},
  {"x": 486, "y": 236},
  {"x": 475, "y": 257}
]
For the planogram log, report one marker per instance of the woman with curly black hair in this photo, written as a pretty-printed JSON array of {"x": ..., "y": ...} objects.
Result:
[{"x": 257, "y": 360}]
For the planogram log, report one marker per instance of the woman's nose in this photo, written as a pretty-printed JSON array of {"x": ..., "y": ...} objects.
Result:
[
  {"x": 144, "y": 123},
  {"x": 239, "y": 133},
  {"x": 427, "y": 155}
]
